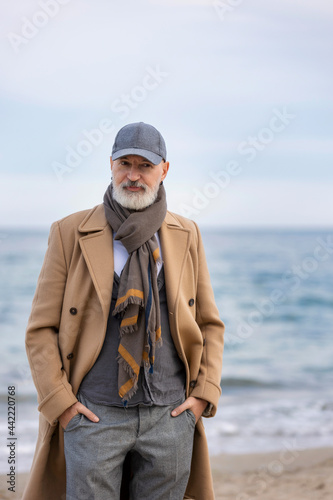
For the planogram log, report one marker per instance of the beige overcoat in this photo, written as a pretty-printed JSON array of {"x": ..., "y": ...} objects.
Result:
[{"x": 68, "y": 322}]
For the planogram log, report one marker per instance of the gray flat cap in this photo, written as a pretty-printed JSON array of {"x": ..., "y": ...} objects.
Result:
[{"x": 140, "y": 139}]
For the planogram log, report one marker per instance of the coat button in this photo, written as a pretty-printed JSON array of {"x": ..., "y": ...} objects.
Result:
[
  {"x": 191, "y": 302},
  {"x": 70, "y": 355},
  {"x": 193, "y": 383},
  {"x": 73, "y": 310}
]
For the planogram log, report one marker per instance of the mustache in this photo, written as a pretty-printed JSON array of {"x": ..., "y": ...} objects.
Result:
[{"x": 133, "y": 184}]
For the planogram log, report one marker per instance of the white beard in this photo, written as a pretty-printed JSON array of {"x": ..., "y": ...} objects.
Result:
[{"x": 135, "y": 201}]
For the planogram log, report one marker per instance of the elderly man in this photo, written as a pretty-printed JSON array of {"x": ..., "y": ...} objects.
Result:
[{"x": 125, "y": 343}]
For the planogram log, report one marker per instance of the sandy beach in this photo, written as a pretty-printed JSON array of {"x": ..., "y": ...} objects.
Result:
[{"x": 285, "y": 475}]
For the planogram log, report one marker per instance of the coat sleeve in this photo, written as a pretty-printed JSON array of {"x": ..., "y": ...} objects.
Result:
[
  {"x": 212, "y": 327},
  {"x": 55, "y": 393}
]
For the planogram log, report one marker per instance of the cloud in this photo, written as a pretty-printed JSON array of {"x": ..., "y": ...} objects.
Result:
[{"x": 87, "y": 56}]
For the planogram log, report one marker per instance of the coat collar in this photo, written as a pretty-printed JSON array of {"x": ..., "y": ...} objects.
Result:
[{"x": 95, "y": 220}]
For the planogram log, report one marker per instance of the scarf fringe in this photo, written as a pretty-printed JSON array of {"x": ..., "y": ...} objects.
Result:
[
  {"x": 127, "y": 368},
  {"x": 130, "y": 300},
  {"x": 159, "y": 343},
  {"x": 128, "y": 329},
  {"x": 130, "y": 394}
]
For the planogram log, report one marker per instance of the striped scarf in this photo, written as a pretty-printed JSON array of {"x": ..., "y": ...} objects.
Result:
[{"x": 138, "y": 299}]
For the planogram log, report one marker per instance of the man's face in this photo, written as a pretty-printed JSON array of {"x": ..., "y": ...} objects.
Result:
[{"x": 136, "y": 181}]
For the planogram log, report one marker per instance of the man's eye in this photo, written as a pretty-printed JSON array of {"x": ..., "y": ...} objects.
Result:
[{"x": 146, "y": 164}]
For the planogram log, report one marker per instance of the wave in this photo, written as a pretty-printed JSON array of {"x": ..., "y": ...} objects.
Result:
[{"x": 248, "y": 382}]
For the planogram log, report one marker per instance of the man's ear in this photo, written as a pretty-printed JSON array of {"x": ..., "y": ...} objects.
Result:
[
  {"x": 111, "y": 162},
  {"x": 165, "y": 166}
]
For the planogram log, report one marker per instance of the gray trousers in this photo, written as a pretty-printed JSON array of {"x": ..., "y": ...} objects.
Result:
[{"x": 159, "y": 448}]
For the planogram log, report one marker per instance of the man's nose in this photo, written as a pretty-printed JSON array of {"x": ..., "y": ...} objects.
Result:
[{"x": 133, "y": 174}]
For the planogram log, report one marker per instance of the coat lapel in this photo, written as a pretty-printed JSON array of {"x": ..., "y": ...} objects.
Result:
[
  {"x": 97, "y": 250},
  {"x": 175, "y": 243}
]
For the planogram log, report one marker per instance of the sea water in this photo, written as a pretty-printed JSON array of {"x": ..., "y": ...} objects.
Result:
[{"x": 274, "y": 292}]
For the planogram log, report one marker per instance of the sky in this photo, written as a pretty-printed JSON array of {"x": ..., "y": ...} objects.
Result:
[{"x": 241, "y": 90}]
